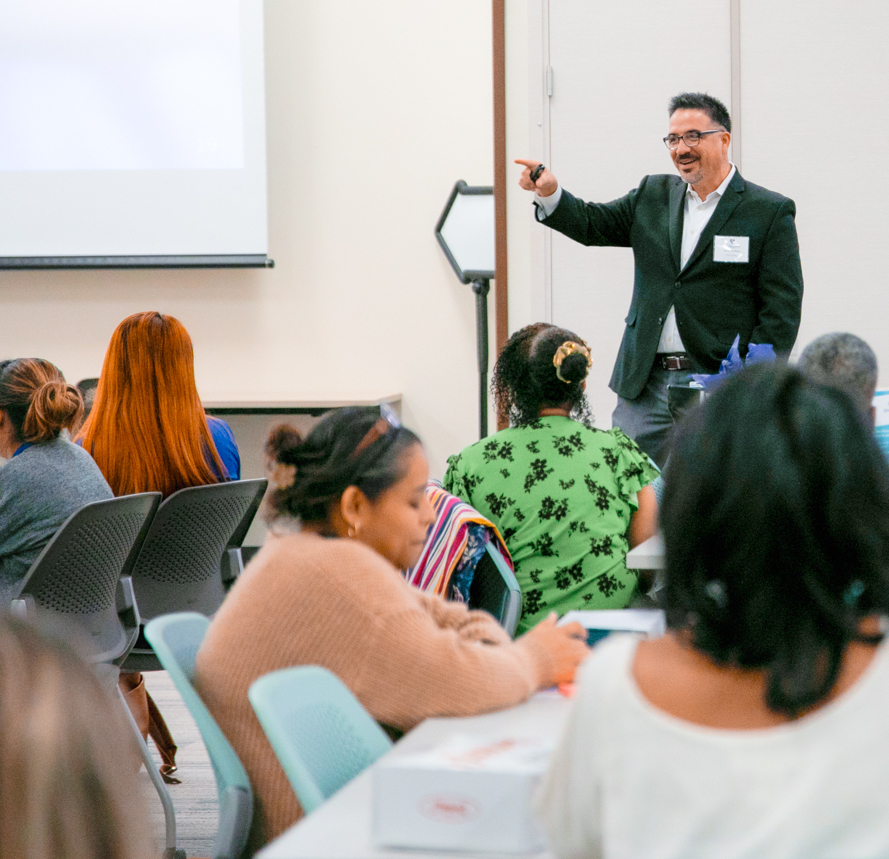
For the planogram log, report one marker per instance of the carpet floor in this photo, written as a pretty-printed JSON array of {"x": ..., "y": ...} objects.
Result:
[{"x": 195, "y": 800}]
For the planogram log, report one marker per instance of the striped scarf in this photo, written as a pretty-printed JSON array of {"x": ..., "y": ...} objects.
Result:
[{"x": 447, "y": 541}]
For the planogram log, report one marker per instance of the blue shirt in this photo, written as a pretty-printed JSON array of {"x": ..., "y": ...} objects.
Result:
[{"x": 224, "y": 441}]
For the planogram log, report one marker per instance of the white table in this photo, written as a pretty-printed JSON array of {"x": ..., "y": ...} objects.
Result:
[
  {"x": 648, "y": 555},
  {"x": 341, "y": 828}
]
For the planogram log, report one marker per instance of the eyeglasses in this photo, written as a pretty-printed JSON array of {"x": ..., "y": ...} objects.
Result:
[
  {"x": 388, "y": 420},
  {"x": 690, "y": 138}
]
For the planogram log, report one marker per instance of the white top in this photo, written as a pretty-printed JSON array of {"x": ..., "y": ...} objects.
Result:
[
  {"x": 629, "y": 781},
  {"x": 696, "y": 216}
]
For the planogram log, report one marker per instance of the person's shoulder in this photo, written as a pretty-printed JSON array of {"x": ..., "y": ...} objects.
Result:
[
  {"x": 63, "y": 448},
  {"x": 611, "y": 657},
  {"x": 662, "y": 182},
  {"x": 478, "y": 449},
  {"x": 618, "y": 438},
  {"x": 55, "y": 451},
  {"x": 758, "y": 192},
  {"x": 336, "y": 555},
  {"x": 60, "y": 464},
  {"x": 655, "y": 191},
  {"x": 219, "y": 427},
  {"x": 71, "y": 448}
]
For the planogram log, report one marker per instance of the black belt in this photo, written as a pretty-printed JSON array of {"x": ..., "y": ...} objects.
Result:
[{"x": 673, "y": 362}]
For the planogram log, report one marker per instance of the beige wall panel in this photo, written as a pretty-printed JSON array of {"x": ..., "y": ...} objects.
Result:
[
  {"x": 813, "y": 76},
  {"x": 374, "y": 110}
]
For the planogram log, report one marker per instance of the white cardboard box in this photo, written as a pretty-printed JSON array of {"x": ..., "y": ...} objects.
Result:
[{"x": 470, "y": 793}]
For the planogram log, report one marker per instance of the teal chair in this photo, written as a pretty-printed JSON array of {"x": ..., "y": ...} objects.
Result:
[
  {"x": 175, "y": 639},
  {"x": 495, "y": 589},
  {"x": 321, "y": 734}
]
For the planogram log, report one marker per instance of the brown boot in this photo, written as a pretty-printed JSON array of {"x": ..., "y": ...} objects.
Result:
[{"x": 150, "y": 721}]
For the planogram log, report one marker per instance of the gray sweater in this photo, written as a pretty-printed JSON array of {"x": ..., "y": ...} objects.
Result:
[{"x": 39, "y": 489}]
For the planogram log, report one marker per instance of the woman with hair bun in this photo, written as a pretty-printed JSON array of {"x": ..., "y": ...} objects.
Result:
[
  {"x": 332, "y": 594},
  {"x": 47, "y": 477},
  {"x": 569, "y": 499}
]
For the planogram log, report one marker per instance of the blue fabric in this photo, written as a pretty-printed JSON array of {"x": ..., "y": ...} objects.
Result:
[
  {"x": 478, "y": 537},
  {"x": 22, "y": 448},
  {"x": 224, "y": 441}
]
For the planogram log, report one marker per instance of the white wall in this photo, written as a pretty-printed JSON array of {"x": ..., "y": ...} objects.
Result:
[
  {"x": 808, "y": 70},
  {"x": 374, "y": 110}
]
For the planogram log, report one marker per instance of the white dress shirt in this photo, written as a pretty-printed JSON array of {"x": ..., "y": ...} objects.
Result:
[{"x": 697, "y": 213}]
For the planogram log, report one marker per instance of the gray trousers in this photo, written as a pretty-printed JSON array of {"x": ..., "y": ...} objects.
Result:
[{"x": 646, "y": 419}]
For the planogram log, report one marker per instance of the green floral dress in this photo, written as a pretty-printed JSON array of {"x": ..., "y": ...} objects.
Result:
[{"x": 562, "y": 496}]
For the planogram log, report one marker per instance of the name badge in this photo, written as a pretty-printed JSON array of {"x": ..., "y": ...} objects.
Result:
[{"x": 731, "y": 249}]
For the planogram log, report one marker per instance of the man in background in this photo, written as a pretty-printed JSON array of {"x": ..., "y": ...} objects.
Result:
[
  {"x": 716, "y": 256},
  {"x": 843, "y": 361}
]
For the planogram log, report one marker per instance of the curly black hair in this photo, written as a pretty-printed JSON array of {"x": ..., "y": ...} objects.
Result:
[
  {"x": 776, "y": 525},
  {"x": 525, "y": 380}
]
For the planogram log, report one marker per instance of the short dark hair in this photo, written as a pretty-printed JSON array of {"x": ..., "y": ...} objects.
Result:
[
  {"x": 845, "y": 362},
  {"x": 325, "y": 462},
  {"x": 713, "y": 107},
  {"x": 525, "y": 380},
  {"x": 776, "y": 528}
]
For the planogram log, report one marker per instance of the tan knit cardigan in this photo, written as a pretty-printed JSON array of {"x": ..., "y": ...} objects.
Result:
[{"x": 310, "y": 600}]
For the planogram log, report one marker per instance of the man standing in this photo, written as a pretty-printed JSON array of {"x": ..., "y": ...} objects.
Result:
[{"x": 715, "y": 257}]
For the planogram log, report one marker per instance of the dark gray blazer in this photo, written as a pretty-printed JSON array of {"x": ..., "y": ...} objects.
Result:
[{"x": 714, "y": 301}]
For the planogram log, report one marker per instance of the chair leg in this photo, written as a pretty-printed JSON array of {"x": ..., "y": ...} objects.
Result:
[{"x": 170, "y": 850}]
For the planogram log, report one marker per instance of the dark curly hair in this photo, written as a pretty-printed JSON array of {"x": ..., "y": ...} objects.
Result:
[
  {"x": 525, "y": 380},
  {"x": 326, "y": 462},
  {"x": 776, "y": 526}
]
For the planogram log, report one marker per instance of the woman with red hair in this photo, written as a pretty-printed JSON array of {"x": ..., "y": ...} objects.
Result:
[{"x": 148, "y": 431}]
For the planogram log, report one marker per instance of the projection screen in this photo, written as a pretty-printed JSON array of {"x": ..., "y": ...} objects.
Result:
[{"x": 132, "y": 134}]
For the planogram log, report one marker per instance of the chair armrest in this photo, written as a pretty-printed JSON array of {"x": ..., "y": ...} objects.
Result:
[
  {"x": 232, "y": 565},
  {"x": 126, "y": 603},
  {"x": 235, "y": 816},
  {"x": 24, "y": 607}
]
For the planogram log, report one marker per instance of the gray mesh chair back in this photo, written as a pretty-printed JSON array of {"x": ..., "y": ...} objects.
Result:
[
  {"x": 321, "y": 734},
  {"x": 176, "y": 639},
  {"x": 179, "y": 566},
  {"x": 494, "y": 588},
  {"x": 81, "y": 577}
]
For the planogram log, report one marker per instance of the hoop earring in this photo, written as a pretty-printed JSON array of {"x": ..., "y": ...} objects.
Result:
[{"x": 352, "y": 532}]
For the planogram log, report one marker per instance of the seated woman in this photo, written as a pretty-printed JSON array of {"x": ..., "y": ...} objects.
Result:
[
  {"x": 147, "y": 430},
  {"x": 757, "y": 726},
  {"x": 331, "y": 594},
  {"x": 69, "y": 787},
  {"x": 47, "y": 478},
  {"x": 568, "y": 499}
]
